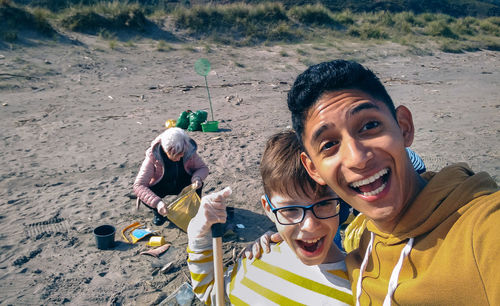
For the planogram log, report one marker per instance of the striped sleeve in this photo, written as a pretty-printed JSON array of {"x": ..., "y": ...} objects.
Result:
[
  {"x": 202, "y": 273},
  {"x": 416, "y": 161},
  {"x": 201, "y": 267}
]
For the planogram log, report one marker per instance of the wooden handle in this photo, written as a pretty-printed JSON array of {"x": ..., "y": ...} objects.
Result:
[
  {"x": 218, "y": 271},
  {"x": 217, "y": 232}
]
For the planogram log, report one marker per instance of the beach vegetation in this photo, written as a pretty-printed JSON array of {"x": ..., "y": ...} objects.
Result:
[
  {"x": 345, "y": 17},
  {"x": 190, "y": 48},
  {"x": 260, "y": 23},
  {"x": 439, "y": 28},
  {"x": 129, "y": 43},
  {"x": 162, "y": 46},
  {"x": 302, "y": 52},
  {"x": 490, "y": 26},
  {"x": 111, "y": 16},
  {"x": 466, "y": 26},
  {"x": 240, "y": 23},
  {"x": 313, "y": 15},
  {"x": 14, "y": 19},
  {"x": 113, "y": 44}
]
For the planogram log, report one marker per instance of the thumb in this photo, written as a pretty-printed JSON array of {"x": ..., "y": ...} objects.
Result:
[
  {"x": 226, "y": 192},
  {"x": 216, "y": 197},
  {"x": 223, "y": 194}
]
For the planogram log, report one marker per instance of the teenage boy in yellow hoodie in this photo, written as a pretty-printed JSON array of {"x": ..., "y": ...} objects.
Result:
[{"x": 430, "y": 239}]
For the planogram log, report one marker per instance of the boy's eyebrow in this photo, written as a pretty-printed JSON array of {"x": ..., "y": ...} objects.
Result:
[
  {"x": 366, "y": 105},
  {"x": 363, "y": 106},
  {"x": 316, "y": 135}
]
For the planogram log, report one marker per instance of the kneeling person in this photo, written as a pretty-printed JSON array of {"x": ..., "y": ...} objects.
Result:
[{"x": 307, "y": 268}]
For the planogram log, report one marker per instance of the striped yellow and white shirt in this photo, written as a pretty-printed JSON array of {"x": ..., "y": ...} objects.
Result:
[{"x": 277, "y": 278}]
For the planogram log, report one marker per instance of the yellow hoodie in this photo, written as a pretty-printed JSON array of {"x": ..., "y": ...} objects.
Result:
[{"x": 445, "y": 250}]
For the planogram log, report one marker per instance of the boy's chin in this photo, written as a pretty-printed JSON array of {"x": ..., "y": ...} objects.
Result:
[
  {"x": 308, "y": 261},
  {"x": 311, "y": 258}
]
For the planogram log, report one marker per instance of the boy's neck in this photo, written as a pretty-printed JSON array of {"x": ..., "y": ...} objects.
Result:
[
  {"x": 334, "y": 255},
  {"x": 418, "y": 185}
]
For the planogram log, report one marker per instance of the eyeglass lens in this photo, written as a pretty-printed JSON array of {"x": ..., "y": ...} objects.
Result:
[{"x": 322, "y": 210}]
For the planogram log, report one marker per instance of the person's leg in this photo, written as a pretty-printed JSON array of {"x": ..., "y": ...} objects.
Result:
[{"x": 157, "y": 218}]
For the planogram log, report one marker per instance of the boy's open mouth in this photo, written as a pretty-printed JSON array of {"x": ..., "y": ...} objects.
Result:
[
  {"x": 310, "y": 247},
  {"x": 372, "y": 185}
]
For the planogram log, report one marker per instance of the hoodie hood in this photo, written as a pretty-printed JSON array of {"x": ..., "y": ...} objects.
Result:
[
  {"x": 446, "y": 210},
  {"x": 446, "y": 193}
]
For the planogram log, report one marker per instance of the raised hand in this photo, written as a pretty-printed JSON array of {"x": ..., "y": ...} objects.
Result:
[{"x": 212, "y": 210}]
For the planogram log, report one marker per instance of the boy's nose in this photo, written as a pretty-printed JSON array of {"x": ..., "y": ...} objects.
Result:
[
  {"x": 355, "y": 154},
  {"x": 310, "y": 221}
]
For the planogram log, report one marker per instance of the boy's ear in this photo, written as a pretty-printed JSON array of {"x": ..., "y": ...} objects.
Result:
[
  {"x": 267, "y": 208},
  {"x": 405, "y": 121},
  {"x": 311, "y": 169}
]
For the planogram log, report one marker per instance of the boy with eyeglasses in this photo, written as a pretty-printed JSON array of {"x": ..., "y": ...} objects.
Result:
[{"x": 307, "y": 268}]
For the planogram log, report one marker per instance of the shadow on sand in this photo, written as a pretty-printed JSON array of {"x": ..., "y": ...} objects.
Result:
[{"x": 254, "y": 224}]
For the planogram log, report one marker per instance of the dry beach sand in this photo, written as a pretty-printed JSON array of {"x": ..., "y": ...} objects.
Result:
[{"x": 76, "y": 119}]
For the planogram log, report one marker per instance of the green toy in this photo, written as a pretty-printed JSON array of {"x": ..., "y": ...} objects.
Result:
[{"x": 202, "y": 67}]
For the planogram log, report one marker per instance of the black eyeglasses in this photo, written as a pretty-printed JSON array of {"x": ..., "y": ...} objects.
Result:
[{"x": 294, "y": 214}]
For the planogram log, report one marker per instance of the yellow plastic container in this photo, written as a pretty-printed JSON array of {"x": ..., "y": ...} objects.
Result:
[
  {"x": 170, "y": 123},
  {"x": 156, "y": 241}
]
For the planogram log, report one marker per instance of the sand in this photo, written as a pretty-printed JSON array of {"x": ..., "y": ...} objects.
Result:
[{"x": 76, "y": 119}]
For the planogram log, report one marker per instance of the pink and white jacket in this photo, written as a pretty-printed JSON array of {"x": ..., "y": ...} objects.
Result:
[{"x": 151, "y": 171}]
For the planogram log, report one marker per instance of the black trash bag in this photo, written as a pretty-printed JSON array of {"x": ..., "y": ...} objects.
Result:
[
  {"x": 195, "y": 120},
  {"x": 183, "y": 121}
]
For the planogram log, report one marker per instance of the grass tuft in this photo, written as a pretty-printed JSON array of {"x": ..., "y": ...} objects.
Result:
[
  {"x": 112, "y": 17},
  {"x": 490, "y": 26},
  {"x": 237, "y": 23},
  {"x": 313, "y": 15},
  {"x": 162, "y": 46},
  {"x": 439, "y": 28},
  {"x": 14, "y": 19}
]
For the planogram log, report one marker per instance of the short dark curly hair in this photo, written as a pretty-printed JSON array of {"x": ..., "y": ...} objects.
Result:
[{"x": 327, "y": 77}]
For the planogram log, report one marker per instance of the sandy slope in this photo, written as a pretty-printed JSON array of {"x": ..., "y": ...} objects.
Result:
[{"x": 74, "y": 134}]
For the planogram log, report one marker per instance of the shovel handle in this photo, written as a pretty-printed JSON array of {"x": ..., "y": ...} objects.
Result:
[{"x": 217, "y": 232}]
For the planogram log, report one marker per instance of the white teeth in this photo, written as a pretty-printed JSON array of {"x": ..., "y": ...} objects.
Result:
[
  {"x": 311, "y": 241},
  {"x": 370, "y": 180},
  {"x": 376, "y": 191}
]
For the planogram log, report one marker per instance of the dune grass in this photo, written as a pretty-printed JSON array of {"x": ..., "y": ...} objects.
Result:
[
  {"x": 237, "y": 23},
  {"x": 266, "y": 23},
  {"x": 111, "y": 16},
  {"x": 271, "y": 22},
  {"x": 14, "y": 19}
]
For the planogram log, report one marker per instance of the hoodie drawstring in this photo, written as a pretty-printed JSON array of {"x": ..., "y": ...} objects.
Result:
[
  {"x": 363, "y": 267},
  {"x": 393, "y": 282}
]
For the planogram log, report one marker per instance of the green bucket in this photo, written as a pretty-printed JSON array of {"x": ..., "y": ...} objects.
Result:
[{"x": 210, "y": 126}]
